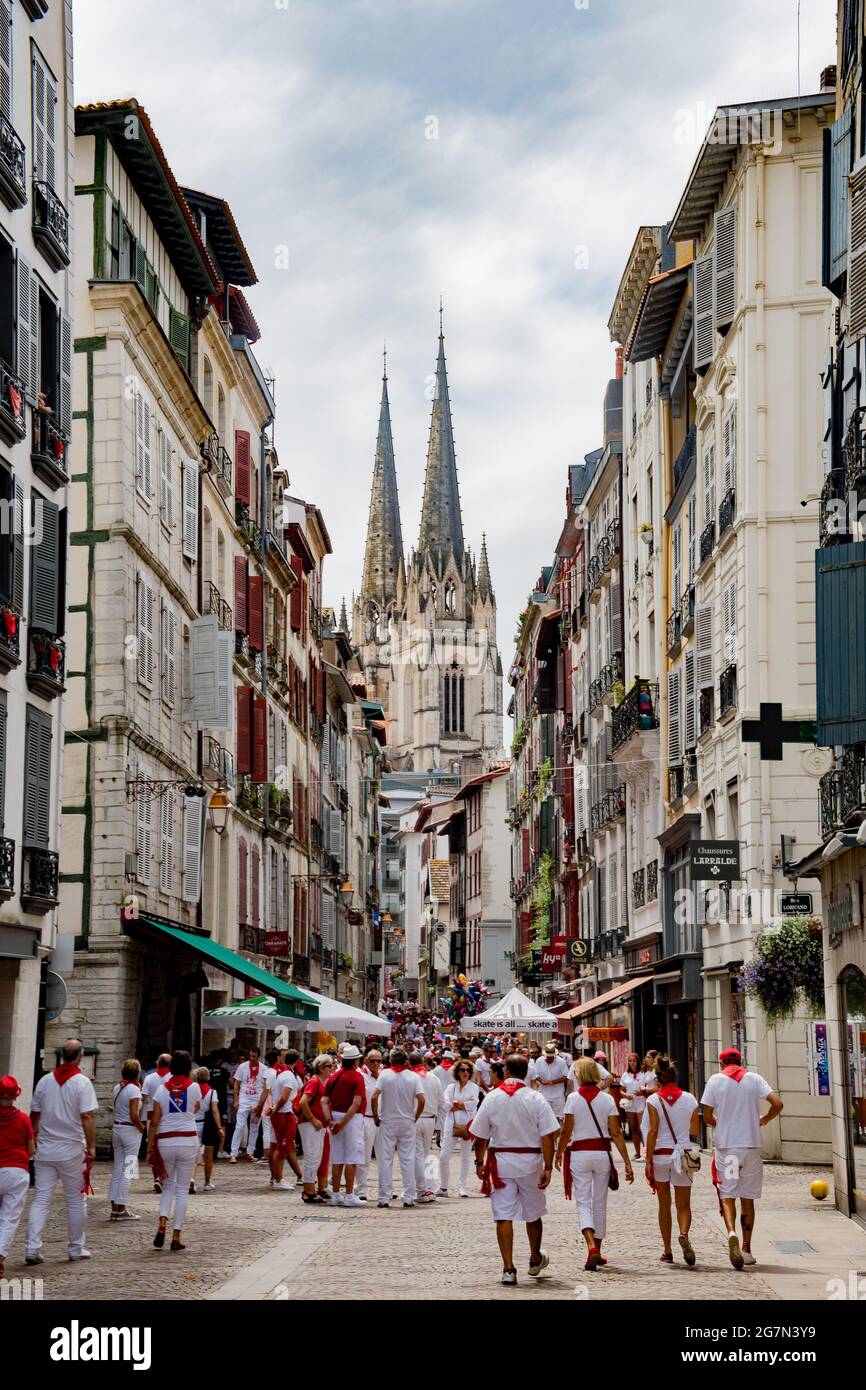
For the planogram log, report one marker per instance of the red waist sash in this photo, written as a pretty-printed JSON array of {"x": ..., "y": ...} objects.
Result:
[
  {"x": 156, "y": 1164},
  {"x": 490, "y": 1176},
  {"x": 659, "y": 1152},
  {"x": 581, "y": 1146}
]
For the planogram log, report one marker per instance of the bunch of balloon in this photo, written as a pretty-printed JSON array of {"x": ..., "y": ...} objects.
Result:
[{"x": 465, "y": 998}]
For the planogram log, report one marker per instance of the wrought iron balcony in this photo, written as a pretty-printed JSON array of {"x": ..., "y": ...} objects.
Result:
[
  {"x": 49, "y": 449},
  {"x": 707, "y": 542},
  {"x": 830, "y": 801},
  {"x": 13, "y": 166},
  {"x": 13, "y": 425},
  {"x": 854, "y": 452},
  {"x": 609, "y": 676},
  {"x": 638, "y": 711},
  {"x": 690, "y": 770},
  {"x": 608, "y": 809},
  {"x": 676, "y": 782},
  {"x": 300, "y": 968},
  {"x": 638, "y": 888},
  {"x": 278, "y": 667},
  {"x": 727, "y": 511},
  {"x": 834, "y": 527},
  {"x": 242, "y": 648},
  {"x": 673, "y": 633},
  {"x": 252, "y": 939},
  {"x": 46, "y": 663},
  {"x": 685, "y": 455},
  {"x": 612, "y": 943},
  {"x": 728, "y": 690},
  {"x": 687, "y": 611},
  {"x": 706, "y": 717},
  {"x": 217, "y": 462},
  {"x": 10, "y": 638},
  {"x": 216, "y": 605},
  {"x": 606, "y": 553},
  {"x": 40, "y": 877},
  {"x": 842, "y": 790},
  {"x": 250, "y": 795},
  {"x": 50, "y": 225},
  {"x": 315, "y": 833},
  {"x": 218, "y": 762},
  {"x": 652, "y": 880},
  {"x": 7, "y": 867}
]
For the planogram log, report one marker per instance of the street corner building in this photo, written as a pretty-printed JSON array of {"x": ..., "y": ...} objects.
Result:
[{"x": 40, "y": 450}]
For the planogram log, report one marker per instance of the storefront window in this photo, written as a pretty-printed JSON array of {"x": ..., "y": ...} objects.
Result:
[{"x": 738, "y": 1020}]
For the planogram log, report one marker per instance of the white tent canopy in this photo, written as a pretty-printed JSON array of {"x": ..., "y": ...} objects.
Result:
[
  {"x": 515, "y": 1012},
  {"x": 334, "y": 1017}
]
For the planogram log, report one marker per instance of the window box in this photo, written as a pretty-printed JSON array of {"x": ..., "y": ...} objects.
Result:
[
  {"x": 7, "y": 868},
  {"x": 13, "y": 425},
  {"x": 46, "y": 663},
  {"x": 13, "y": 166},
  {"x": 40, "y": 876},
  {"x": 10, "y": 638},
  {"x": 50, "y": 225},
  {"x": 49, "y": 450}
]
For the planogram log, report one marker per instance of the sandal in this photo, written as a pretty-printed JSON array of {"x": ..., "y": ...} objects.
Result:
[
  {"x": 159, "y": 1240},
  {"x": 309, "y": 1199}
]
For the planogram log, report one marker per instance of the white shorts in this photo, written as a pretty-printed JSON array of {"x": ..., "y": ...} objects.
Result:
[
  {"x": 349, "y": 1145},
  {"x": 521, "y": 1199},
  {"x": 664, "y": 1170},
  {"x": 739, "y": 1172}
]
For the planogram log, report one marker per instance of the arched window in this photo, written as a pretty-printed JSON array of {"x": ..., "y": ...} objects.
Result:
[
  {"x": 207, "y": 388},
  {"x": 453, "y": 701}
]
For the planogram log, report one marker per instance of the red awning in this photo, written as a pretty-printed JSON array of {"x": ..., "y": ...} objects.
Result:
[{"x": 603, "y": 1001}]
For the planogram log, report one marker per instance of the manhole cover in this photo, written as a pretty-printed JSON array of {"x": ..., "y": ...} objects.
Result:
[{"x": 794, "y": 1247}]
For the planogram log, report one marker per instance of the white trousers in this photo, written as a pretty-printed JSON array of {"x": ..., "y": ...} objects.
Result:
[
  {"x": 125, "y": 1141},
  {"x": 399, "y": 1137},
  {"x": 590, "y": 1170},
  {"x": 313, "y": 1141},
  {"x": 464, "y": 1148},
  {"x": 246, "y": 1120},
  {"x": 178, "y": 1157},
  {"x": 423, "y": 1144},
  {"x": 49, "y": 1172},
  {"x": 14, "y": 1183},
  {"x": 369, "y": 1145}
]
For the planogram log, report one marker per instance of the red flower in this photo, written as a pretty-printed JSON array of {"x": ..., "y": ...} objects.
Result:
[{"x": 15, "y": 399}]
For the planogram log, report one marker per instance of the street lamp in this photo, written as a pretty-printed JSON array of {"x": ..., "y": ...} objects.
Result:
[
  {"x": 347, "y": 890},
  {"x": 218, "y": 810}
]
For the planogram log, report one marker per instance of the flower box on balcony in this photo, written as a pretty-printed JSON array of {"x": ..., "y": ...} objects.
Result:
[
  {"x": 49, "y": 449},
  {"x": 10, "y": 638},
  {"x": 46, "y": 663},
  {"x": 13, "y": 425}
]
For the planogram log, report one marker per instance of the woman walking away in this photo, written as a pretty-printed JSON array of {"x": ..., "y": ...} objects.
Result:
[
  {"x": 208, "y": 1124},
  {"x": 314, "y": 1113},
  {"x": 126, "y": 1132},
  {"x": 589, "y": 1125},
  {"x": 670, "y": 1156},
  {"x": 633, "y": 1099},
  {"x": 461, "y": 1102},
  {"x": 173, "y": 1144}
]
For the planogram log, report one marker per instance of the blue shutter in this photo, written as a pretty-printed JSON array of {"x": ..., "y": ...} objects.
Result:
[
  {"x": 840, "y": 641},
  {"x": 837, "y": 167}
]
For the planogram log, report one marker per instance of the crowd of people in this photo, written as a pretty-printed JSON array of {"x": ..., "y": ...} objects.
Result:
[{"x": 503, "y": 1111}]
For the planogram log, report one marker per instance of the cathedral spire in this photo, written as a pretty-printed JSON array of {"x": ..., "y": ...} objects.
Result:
[
  {"x": 441, "y": 522},
  {"x": 344, "y": 617},
  {"x": 383, "y": 556},
  {"x": 484, "y": 586}
]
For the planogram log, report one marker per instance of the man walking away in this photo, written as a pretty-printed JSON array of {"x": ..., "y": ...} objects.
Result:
[
  {"x": 347, "y": 1097},
  {"x": 516, "y": 1129},
  {"x": 552, "y": 1079},
  {"x": 63, "y": 1115},
  {"x": 16, "y": 1151},
  {"x": 425, "y": 1128},
  {"x": 732, "y": 1108},
  {"x": 398, "y": 1101}
]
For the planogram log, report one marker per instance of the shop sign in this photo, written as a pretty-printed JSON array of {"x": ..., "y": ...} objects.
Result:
[
  {"x": 639, "y": 956},
  {"x": 818, "y": 1053},
  {"x": 607, "y": 1034},
  {"x": 552, "y": 959},
  {"x": 578, "y": 950},
  {"x": 795, "y": 904},
  {"x": 276, "y": 943},
  {"x": 714, "y": 861}
]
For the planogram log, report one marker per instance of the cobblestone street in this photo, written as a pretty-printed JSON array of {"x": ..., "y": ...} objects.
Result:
[{"x": 247, "y": 1242}]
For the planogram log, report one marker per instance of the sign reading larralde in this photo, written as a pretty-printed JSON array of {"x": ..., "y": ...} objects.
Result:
[{"x": 714, "y": 861}]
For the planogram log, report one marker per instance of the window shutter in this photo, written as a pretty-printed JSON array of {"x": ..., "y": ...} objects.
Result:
[
  {"x": 44, "y": 120},
  {"x": 725, "y": 268},
  {"x": 6, "y": 59},
  {"x": 838, "y": 151},
  {"x": 37, "y": 779},
  {"x": 2, "y": 755},
  {"x": 45, "y": 569},
  {"x": 168, "y": 657},
  {"x": 729, "y": 449},
  {"x": 525, "y": 849},
  {"x": 190, "y": 509},
  {"x": 18, "y": 548},
  {"x": 203, "y": 701},
  {"x": 296, "y": 599},
  {"x": 244, "y": 729},
  {"x": 242, "y": 466},
  {"x": 243, "y": 894},
  {"x": 675, "y": 744},
  {"x": 255, "y": 874},
  {"x": 241, "y": 587},
  {"x": 678, "y": 564},
  {"x": 730, "y": 622},
  {"x": 28, "y": 325},
  {"x": 709, "y": 484},
  {"x": 702, "y": 293},
  {"x": 64, "y": 358},
  {"x": 614, "y": 610},
  {"x": 193, "y": 839},
  {"x": 166, "y": 841},
  {"x": 260, "y": 739},
  {"x": 143, "y": 460},
  {"x": 857, "y": 256},
  {"x": 704, "y": 646},
  {"x": 256, "y": 612},
  {"x": 178, "y": 336},
  {"x": 143, "y": 830},
  {"x": 145, "y": 607},
  {"x": 166, "y": 492},
  {"x": 690, "y": 721},
  {"x": 225, "y": 648}
]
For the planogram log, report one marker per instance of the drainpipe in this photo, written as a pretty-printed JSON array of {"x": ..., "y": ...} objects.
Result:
[{"x": 265, "y": 541}]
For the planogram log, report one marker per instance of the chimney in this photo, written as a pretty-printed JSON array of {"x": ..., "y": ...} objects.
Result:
[
  {"x": 618, "y": 372},
  {"x": 827, "y": 80}
]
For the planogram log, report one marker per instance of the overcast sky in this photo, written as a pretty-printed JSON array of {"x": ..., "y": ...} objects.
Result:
[{"x": 557, "y": 129}]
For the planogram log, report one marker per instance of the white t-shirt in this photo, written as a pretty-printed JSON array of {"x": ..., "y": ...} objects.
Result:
[
  {"x": 177, "y": 1113},
  {"x": 469, "y": 1095},
  {"x": 680, "y": 1115},
  {"x": 631, "y": 1083},
  {"x": 370, "y": 1084},
  {"x": 443, "y": 1075},
  {"x": 518, "y": 1121},
  {"x": 251, "y": 1087},
  {"x": 398, "y": 1092},
  {"x": 555, "y": 1070},
  {"x": 434, "y": 1096},
  {"x": 284, "y": 1081},
  {"x": 603, "y": 1106},
  {"x": 60, "y": 1134},
  {"x": 737, "y": 1107},
  {"x": 483, "y": 1073},
  {"x": 149, "y": 1088},
  {"x": 121, "y": 1095}
]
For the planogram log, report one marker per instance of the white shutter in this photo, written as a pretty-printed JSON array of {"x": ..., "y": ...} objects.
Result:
[
  {"x": 613, "y": 891},
  {"x": 166, "y": 840},
  {"x": 143, "y": 457},
  {"x": 44, "y": 122},
  {"x": 725, "y": 268},
  {"x": 203, "y": 704},
  {"x": 28, "y": 329},
  {"x": 675, "y": 742},
  {"x": 168, "y": 654},
  {"x": 225, "y": 648},
  {"x": 142, "y": 834},
  {"x": 190, "y": 509},
  {"x": 690, "y": 714},
  {"x": 678, "y": 564},
  {"x": 729, "y": 610},
  {"x": 709, "y": 464},
  {"x": 729, "y": 449},
  {"x": 693, "y": 534},
  {"x": 166, "y": 487},
  {"x": 704, "y": 646},
  {"x": 702, "y": 293},
  {"x": 6, "y": 59},
  {"x": 857, "y": 254},
  {"x": 193, "y": 838},
  {"x": 144, "y": 633}
]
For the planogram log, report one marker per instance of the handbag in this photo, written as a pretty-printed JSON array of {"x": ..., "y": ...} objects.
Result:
[
  {"x": 613, "y": 1177},
  {"x": 460, "y": 1131},
  {"x": 691, "y": 1162}
]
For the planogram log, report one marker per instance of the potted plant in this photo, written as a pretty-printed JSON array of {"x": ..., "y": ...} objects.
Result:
[{"x": 787, "y": 970}]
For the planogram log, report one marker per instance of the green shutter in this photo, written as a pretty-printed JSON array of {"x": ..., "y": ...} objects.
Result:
[
  {"x": 840, "y": 642},
  {"x": 178, "y": 333},
  {"x": 45, "y": 566},
  {"x": 37, "y": 779}
]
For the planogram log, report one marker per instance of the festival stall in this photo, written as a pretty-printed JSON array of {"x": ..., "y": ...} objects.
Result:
[
  {"x": 334, "y": 1017},
  {"x": 515, "y": 1012}
]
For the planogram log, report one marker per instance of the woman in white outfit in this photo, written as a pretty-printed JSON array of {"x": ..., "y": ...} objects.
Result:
[
  {"x": 590, "y": 1126},
  {"x": 633, "y": 1101},
  {"x": 461, "y": 1102},
  {"x": 674, "y": 1119},
  {"x": 173, "y": 1144},
  {"x": 314, "y": 1113},
  {"x": 649, "y": 1085},
  {"x": 126, "y": 1132}
]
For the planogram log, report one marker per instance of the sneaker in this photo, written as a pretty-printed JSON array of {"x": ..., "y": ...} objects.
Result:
[
  {"x": 210, "y": 1187},
  {"x": 426, "y": 1197},
  {"x": 688, "y": 1252},
  {"x": 383, "y": 1204},
  {"x": 408, "y": 1204},
  {"x": 82, "y": 1255},
  {"x": 192, "y": 1191},
  {"x": 543, "y": 1262},
  {"x": 157, "y": 1186},
  {"x": 336, "y": 1199},
  {"x": 223, "y": 1154},
  {"x": 442, "y": 1192},
  {"x": 362, "y": 1196},
  {"x": 748, "y": 1258},
  {"x": 461, "y": 1193},
  {"x": 124, "y": 1216},
  {"x": 509, "y": 1276},
  {"x": 34, "y": 1259},
  {"x": 282, "y": 1186},
  {"x": 734, "y": 1251},
  {"x": 352, "y": 1200}
]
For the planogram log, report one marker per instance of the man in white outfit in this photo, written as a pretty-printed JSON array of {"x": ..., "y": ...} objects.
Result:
[
  {"x": 551, "y": 1078},
  {"x": 63, "y": 1115},
  {"x": 250, "y": 1093},
  {"x": 398, "y": 1102},
  {"x": 425, "y": 1128},
  {"x": 370, "y": 1072}
]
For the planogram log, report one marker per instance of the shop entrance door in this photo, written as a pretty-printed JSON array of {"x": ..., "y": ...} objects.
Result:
[{"x": 852, "y": 992}]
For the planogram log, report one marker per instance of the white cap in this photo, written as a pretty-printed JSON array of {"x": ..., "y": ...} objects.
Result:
[
  {"x": 449, "y": 1055},
  {"x": 350, "y": 1051},
  {"x": 476, "y": 1052}
]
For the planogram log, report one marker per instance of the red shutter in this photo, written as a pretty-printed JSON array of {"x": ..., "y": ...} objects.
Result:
[
  {"x": 243, "y": 896},
  {"x": 525, "y": 931},
  {"x": 255, "y": 875},
  {"x": 260, "y": 739},
  {"x": 320, "y": 693},
  {"x": 244, "y": 744},
  {"x": 242, "y": 466},
  {"x": 302, "y": 703},
  {"x": 524, "y": 840},
  {"x": 305, "y": 609},
  {"x": 296, "y": 600},
  {"x": 241, "y": 621},
  {"x": 256, "y": 612},
  {"x": 567, "y": 676},
  {"x": 568, "y": 799}
]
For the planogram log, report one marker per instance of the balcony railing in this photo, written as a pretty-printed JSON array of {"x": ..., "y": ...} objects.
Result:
[
  {"x": 637, "y": 712},
  {"x": 7, "y": 867},
  {"x": 609, "y": 808},
  {"x": 251, "y": 533},
  {"x": 690, "y": 770},
  {"x": 834, "y": 527},
  {"x": 46, "y": 663},
  {"x": 216, "y": 604},
  {"x": 278, "y": 667},
  {"x": 687, "y": 611},
  {"x": 217, "y": 462},
  {"x": 685, "y": 455},
  {"x": 707, "y": 542},
  {"x": 854, "y": 452},
  {"x": 638, "y": 888},
  {"x": 675, "y": 784},
  {"x": 830, "y": 802},
  {"x": 219, "y": 763},
  {"x": 50, "y": 225},
  {"x": 300, "y": 968},
  {"x": 606, "y": 552},
  {"x": 728, "y": 690},
  {"x": 252, "y": 939},
  {"x": 13, "y": 425},
  {"x": 609, "y": 676},
  {"x": 673, "y": 633},
  {"x": 40, "y": 877},
  {"x": 10, "y": 638},
  {"x": 13, "y": 166},
  {"x": 242, "y": 648},
  {"x": 48, "y": 450},
  {"x": 250, "y": 795},
  {"x": 652, "y": 880},
  {"x": 706, "y": 718},
  {"x": 727, "y": 511}
]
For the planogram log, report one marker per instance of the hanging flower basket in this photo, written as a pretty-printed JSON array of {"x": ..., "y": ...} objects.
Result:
[{"x": 787, "y": 970}]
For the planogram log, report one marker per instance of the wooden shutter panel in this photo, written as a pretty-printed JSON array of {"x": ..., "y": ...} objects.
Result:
[
  {"x": 143, "y": 441},
  {"x": 242, "y": 466},
  {"x": 26, "y": 320},
  {"x": 725, "y": 268},
  {"x": 256, "y": 612},
  {"x": 690, "y": 722},
  {"x": 37, "y": 779},
  {"x": 6, "y": 59},
  {"x": 168, "y": 654},
  {"x": 857, "y": 256},
  {"x": 838, "y": 153},
  {"x": 18, "y": 548},
  {"x": 730, "y": 622},
  {"x": 241, "y": 589},
  {"x": 144, "y": 611},
  {"x": 143, "y": 834},
  {"x": 166, "y": 840},
  {"x": 225, "y": 655},
  {"x": 166, "y": 498},
  {"x": 729, "y": 449},
  {"x": 44, "y": 122},
  {"x": 260, "y": 739},
  {"x": 193, "y": 834},
  {"x": 64, "y": 358},
  {"x": 296, "y": 599},
  {"x": 243, "y": 894},
  {"x": 178, "y": 336},
  {"x": 203, "y": 700},
  {"x": 244, "y": 729},
  {"x": 675, "y": 743},
  {"x": 614, "y": 611},
  {"x": 190, "y": 509},
  {"x": 255, "y": 874},
  {"x": 702, "y": 294},
  {"x": 704, "y": 646},
  {"x": 45, "y": 570}
]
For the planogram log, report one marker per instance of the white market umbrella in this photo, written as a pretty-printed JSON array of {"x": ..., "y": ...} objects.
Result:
[
  {"x": 259, "y": 1012},
  {"x": 334, "y": 1017},
  {"x": 515, "y": 1012}
]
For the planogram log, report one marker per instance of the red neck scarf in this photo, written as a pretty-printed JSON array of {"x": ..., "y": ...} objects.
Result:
[
  {"x": 398, "y": 1066},
  {"x": 62, "y": 1073},
  {"x": 511, "y": 1086},
  {"x": 205, "y": 1089},
  {"x": 421, "y": 1071},
  {"x": 446, "y": 1064},
  {"x": 178, "y": 1084},
  {"x": 588, "y": 1092},
  {"x": 734, "y": 1072},
  {"x": 670, "y": 1093},
  {"x": 163, "y": 1071},
  {"x": 254, "y": 1070}
]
